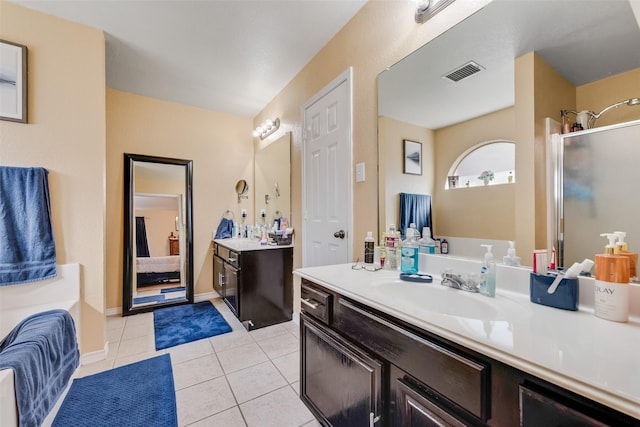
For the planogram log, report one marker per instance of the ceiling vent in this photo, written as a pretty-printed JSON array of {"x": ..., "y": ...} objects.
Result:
[{"x": 464, "y": 71}]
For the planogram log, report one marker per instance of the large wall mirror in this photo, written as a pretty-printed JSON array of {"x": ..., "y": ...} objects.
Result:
[
  {"x": 460, "y": 90},
  {"x": 272, "y": 176},
  {"x": 158, "y": 235}
]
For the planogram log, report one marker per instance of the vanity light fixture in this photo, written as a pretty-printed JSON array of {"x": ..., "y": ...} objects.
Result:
[
  {"x": 266, "y": 128},
  {"x": 427, "y": 9},
  {"x": 591, "y": 117}
]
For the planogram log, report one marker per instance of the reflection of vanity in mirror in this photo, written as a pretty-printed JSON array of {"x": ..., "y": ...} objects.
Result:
[
  {"x": 158, "y": 238},
  {"x": 525, "y": 62},
  {"x": 254, "y": 279},
  {"x": 272, "y": 174}
]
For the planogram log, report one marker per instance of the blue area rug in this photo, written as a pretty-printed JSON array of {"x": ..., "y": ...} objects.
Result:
[
  {"x": 139, "y": 394},
  {"x": 188, "y": 322}
]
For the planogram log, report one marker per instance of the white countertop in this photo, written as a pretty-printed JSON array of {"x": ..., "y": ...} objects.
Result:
[
  {"x": 240, "y": 245},
  {"x": 593, "y": 357}
]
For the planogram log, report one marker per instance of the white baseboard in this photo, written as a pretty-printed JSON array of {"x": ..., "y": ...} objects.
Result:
[
  {"x": 206, "y": 297},
  {"x": 113, "y": 311},
  {"x": 95, "y": 356}
]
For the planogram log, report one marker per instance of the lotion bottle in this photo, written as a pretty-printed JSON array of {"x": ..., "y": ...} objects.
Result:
[
  {"x": 623, "y": 249},
  {"x": 488, "y": 273},
  {"x": 612, "y": 287}
]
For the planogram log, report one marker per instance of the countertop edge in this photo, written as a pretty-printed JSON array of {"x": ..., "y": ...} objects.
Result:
[{"x": 614, "y": 401}]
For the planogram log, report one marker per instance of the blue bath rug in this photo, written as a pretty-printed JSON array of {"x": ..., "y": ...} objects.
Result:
[
  {"x": 150, "y": 298},
  {"x": 188, "y": 322},
  {"x": 139, "y": 394}
]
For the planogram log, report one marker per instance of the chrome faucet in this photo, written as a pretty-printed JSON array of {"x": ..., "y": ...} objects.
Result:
[{"x": 456, "y": 281}]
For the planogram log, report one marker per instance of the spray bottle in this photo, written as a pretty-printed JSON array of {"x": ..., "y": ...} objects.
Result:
[{"x": 488, "y": 273}]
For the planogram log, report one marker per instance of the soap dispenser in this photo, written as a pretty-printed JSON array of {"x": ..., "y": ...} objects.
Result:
[
  {"x": 488, "y": 274},
  {"x": 511, "y": 258},
  {"x": 623, "y": 249}
]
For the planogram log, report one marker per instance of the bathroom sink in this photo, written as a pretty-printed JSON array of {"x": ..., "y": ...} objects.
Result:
[{"x": 421, "y": 299}]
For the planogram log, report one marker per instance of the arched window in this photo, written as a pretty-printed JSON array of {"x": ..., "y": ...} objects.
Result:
[{"x": 487, "y": 163}]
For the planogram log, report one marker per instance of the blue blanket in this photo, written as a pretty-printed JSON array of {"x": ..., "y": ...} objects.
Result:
[
  {"x": 27, "y": 248},
  {"x": 43, "y": 353}
]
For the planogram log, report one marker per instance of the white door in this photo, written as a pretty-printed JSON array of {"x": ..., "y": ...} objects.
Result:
[{"x": 326, "y": 171}]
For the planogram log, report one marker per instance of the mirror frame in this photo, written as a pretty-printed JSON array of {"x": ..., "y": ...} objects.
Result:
[{"x": 129, "y": 235}]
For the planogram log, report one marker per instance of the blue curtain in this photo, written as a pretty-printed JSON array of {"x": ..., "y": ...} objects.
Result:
[
  {"x": 142, "y": 246},
  {"x": 415, "y": 208}
]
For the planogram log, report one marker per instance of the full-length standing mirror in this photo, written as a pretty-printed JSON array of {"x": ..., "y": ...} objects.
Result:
[{"x": 158, "y": 235}]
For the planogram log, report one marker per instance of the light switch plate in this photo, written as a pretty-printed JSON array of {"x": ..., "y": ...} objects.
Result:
[{"x": 359, "y": 172}]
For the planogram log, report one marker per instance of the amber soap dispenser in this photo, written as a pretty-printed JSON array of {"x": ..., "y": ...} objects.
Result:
[{"x": 612, "y": 287}]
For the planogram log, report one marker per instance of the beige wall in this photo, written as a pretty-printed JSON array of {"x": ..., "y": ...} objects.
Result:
[
  {"x": 221, "y": 148},
  {"x": 598, "y": 95},
  {"x": 380, "y": 34},
  {"x": 66, "y": 135},
  {"x": 392, "y": 178},
  {"x": 477, "y": 212}
]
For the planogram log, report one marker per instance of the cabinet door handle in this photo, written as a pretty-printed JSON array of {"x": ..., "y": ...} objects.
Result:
[
  {"x": 306, "y": 302},
  {"x": 373, "y": 419},
  {"x": 232, "y": 260},
  {"x": 221, "y": 279}
]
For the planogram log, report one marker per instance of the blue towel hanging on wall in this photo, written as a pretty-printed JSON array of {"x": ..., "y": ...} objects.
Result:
[
  {"x": 415, "y": 208},
  {"x": 27, "y": 249}
]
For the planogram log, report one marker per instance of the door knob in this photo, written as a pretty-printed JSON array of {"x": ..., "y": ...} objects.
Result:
[{"x": 339, "y": 234}]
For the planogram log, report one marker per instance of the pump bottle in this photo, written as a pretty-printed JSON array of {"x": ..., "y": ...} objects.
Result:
[
  {"x": 623, "y": 249},
  {"x": 488, "y": 273},
  {"x": 612, "y": 284},
  {"x": 427, "y": 245},
  {"x": 511, "y": 258}
]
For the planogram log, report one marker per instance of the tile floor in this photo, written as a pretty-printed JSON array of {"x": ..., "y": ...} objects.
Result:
[{"x": 236, "y": 379}]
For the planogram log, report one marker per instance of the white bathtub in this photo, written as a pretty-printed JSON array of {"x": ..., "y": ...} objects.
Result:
[{"x": 20, "y": 301}]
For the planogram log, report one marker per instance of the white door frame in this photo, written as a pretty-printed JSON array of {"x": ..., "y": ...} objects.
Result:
[{"x": 346, "y": 76}]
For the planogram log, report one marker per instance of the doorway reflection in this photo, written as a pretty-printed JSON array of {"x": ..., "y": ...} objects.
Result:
[{"x": 158, "y": 266}]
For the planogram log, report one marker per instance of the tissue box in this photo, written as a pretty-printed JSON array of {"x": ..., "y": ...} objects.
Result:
[{"x": 565, "y": 296}]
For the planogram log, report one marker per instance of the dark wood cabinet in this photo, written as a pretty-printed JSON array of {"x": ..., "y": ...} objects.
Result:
[
  {"x": 174, "y": 246},
  {"x": 257, "y": 285},
  {"x": 427, "y": 380},
  {"x": 341, "y": 384}
]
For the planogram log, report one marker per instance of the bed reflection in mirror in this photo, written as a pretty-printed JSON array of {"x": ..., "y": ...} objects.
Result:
[{"x": 158, "y": 235}]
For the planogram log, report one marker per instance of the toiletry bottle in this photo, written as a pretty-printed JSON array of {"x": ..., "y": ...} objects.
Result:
[
  {"x": 412, "y": 232},
  {"x": 511, "y": 258},
  {"x": 390, "y": 244},
  {"x": 427, "y": 245},
  {"x": 369, "y": 244},
  {"x": 444, "y": 247},
  {"x": 409, "y": 258},
  {"x": 488, "y": 273},
  {"x": 623, "y": 249},
  {"x": 612, "y": 287}
]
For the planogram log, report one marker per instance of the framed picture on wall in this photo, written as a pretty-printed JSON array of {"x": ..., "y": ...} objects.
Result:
[
  {"x": 412, "y": 157},
  {"x": 13, "y": 82}
]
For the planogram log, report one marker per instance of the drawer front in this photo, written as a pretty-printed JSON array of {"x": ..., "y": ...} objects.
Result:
[
  {"x": 228, "y": 255},
  {"x": 315, "y": 302},
  {"x": 456, "y": 377}
]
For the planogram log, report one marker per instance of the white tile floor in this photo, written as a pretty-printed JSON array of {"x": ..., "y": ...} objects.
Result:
[{"x": 236, "y": 379}]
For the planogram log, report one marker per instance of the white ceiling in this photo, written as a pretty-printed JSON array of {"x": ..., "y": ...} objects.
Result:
[
  {"x": 584, "y": 40},
  {"x": 231, "y": 56}
]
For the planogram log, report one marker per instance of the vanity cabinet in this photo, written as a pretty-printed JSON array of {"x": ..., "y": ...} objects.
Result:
[
  {"x": 255, "y": 283},
  {"x": 426, "y": 380}
]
